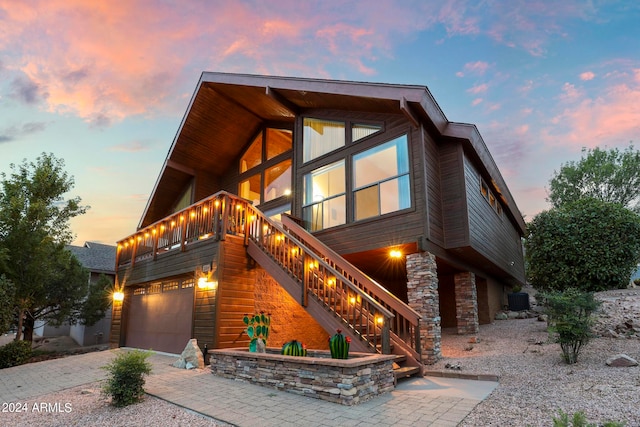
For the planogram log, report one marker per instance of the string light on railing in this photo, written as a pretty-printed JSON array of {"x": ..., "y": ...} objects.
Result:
[
  {"x": 331, "y": 281},
  {"x": 380, "y": 320},
  {"x": 173, "y": 224},
  {"x": 352, "y": 300},
  {"x": 216, "y": 203},
  {"x": 205, "y": 209},
  {"x": 193, "y": 214}
]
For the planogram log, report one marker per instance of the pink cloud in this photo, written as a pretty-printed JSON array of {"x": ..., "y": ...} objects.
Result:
[
  {"x": 477, "y": 68},
  {"x": 482, "y": 88},
  {"x": 104, "y": 62},
  {"x": 587, "y": 75},
  {"x": 610, "y": 116},
  {"x": 476, "y": 101}
]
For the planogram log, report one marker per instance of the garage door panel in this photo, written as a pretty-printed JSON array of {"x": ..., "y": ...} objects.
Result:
[{"x": 161, "y": 321}]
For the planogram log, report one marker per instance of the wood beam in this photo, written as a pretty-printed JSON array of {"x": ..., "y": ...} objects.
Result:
[
  {"x": 273, "y": 94},
  {"x": 180, "y": 167},
  {"x": 408, "y": 112}
]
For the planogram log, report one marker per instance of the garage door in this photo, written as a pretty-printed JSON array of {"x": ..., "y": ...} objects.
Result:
[{"x": 160, "y": 319}]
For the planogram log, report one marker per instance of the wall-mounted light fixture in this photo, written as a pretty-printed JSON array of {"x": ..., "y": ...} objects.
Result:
[
  {"x": 395, "y": 254},
  {"x": 208, "y": 281},
  {"x": 118, "y": 296}
]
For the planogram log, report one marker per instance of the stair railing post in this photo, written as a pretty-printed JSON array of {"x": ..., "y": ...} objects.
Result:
[
  {"x": 386, "y": 337},
  {"x": 306, "y": 276}
]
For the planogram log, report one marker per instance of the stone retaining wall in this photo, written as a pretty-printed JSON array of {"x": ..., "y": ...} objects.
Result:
[{"x": 348, "y": 382}]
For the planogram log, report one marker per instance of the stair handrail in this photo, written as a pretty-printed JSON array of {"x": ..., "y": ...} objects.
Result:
[
  {"x": 376, "y": 289},
  {"x": 383, "y": 310}
]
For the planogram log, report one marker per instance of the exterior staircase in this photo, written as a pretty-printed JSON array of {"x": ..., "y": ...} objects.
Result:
[{"x": 334, "y": 292}]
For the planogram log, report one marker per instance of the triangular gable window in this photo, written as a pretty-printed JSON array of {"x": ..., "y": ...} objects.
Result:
[{"x": 253, "y": 156}]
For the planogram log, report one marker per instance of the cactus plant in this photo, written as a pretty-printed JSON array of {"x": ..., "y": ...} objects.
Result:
[
  {"x": 339, "y": 346},
  {"x": 257, "y": 330},
  {"x": 294, "y": 348}
]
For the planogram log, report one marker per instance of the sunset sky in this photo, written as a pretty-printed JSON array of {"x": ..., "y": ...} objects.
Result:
[{"x": 104, "y": 84}]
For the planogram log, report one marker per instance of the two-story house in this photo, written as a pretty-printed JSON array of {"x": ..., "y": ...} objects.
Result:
[{"x": 328, "y": 204}]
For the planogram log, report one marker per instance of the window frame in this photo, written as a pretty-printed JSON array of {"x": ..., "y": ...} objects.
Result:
[
  {"x": 266, "y": 164},
  {"x": 346, "y": 153}
]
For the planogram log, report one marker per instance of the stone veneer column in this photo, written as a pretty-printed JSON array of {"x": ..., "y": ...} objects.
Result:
[
  {"x": 422, "y": 294},
  {"x": 466, "y": 303}
]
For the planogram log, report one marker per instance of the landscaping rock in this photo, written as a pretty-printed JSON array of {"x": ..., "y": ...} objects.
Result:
[
  {"x": 621, "y": 360},
  {"x": 191, "y": 356},
  {"x": 501, "y": 316}
]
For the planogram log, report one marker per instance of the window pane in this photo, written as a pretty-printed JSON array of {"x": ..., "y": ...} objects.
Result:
[
  {"x": 324, "y": 182},
  {"x": 325, "y": 214},
  {"x": 250, "y": 189},
  {"x": 278, "y": 142},
  {"x": 324, "y": 197},
  {"x": 334, "y": 211},
  {"x": 253, "y": 156},
  {"x": 394, "y": 195},
  {"x": 362, "y": 131},
  {"x": 321, "y": 137},
  {"x": 367, "y": 202},
  {"x": 381, "y": 162},
  {"x": 277, "y": 181}
]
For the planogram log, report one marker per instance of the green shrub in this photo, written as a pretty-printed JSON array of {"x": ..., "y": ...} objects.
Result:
[
  {"x": 125, "y": 384},
  {"x": 570, "y": 319},
  {"x": 579, "y": 419},
  {"x": 15, "y": 353}
]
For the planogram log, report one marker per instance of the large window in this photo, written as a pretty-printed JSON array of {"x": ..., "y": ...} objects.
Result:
[
  {"x": 321, "y": 137},
  {"x": 265, "y": 167},
  {"x": 324, "y": 197},
  {"x": 381, "y": 179}
]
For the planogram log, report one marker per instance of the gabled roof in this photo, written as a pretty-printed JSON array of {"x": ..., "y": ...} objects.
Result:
[
  {"x": 96, "y": 257},
  {"x": 227, "y": 107}
]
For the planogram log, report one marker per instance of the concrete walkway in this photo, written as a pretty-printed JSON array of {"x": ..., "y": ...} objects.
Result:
[{"x": 421, "y": 401}]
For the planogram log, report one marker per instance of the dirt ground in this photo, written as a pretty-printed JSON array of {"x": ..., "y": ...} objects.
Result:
[{"x": 54, "y": 347}]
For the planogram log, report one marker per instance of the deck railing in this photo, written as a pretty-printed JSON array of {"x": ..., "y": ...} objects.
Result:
[
  {"x": 365, "y": 308},
  {"x": 210, "y": 218}
]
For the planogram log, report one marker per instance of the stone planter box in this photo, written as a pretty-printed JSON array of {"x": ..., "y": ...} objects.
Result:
[{"x": 348, "y": 382}]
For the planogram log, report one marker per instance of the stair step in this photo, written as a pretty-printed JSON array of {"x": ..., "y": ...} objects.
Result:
[{"x": 406, "y": 371}]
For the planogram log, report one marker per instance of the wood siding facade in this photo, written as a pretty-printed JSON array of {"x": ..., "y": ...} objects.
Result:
[{"x": 448, "y": 215}]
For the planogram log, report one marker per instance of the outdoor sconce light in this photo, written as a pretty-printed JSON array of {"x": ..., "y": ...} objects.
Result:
[
  {"x": 395, "y": 254},
  {"x": 208, "y": 280},
  {"x": 118, "y": 296},
  {"x": 205, "y": 284}
]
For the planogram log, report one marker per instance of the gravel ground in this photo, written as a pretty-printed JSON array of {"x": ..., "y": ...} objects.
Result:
[
  {"x": 534, "y": 380},
  {"x": 86, "y": 406}
]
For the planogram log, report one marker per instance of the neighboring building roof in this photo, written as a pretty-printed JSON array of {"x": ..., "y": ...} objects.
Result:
[{"x": 96, "y": 257}]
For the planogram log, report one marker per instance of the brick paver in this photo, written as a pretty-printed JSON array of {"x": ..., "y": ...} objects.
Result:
[{"x": 240, "y": 403}]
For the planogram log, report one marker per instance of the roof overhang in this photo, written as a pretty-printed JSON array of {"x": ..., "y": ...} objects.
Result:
[{"x": 228, "y": 108}]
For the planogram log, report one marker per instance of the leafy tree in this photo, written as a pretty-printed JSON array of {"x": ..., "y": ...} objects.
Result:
[
  {"x": 7, "y": 315},
  {"x": 608, "y": 175},
  {"x": 588, "y": 244},
  {"x": 98, "y": 301},
  {"x": 570, "y": 320},
  {"x": 49, "y": 281}
]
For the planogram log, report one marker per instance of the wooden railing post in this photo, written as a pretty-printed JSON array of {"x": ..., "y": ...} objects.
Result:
[
  {"x": 306, "y": 276},
  {"x": 134, "y": 245},
  {"x": 225, "y": 216},
  {"x": 156, "y": 236},
  {"x": 386, "y": 337}
]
